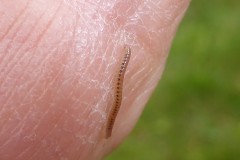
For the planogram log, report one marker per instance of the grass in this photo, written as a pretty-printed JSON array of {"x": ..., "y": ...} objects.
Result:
[{"x": 194, "y": 113}]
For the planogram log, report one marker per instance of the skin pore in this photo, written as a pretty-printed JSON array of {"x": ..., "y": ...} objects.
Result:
[{"x": 57, "y": 60}]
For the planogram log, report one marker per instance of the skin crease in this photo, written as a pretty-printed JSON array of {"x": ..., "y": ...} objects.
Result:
[{"x": 57, "y": 61}]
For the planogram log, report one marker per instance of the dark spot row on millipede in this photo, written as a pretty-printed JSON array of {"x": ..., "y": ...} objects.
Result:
[{"x": 118, "y": 92}]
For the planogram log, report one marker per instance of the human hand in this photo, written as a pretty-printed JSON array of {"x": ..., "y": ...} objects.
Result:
[{"x": 57, "y": 61}]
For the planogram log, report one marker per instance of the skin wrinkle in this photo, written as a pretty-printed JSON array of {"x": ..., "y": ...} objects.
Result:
[
  {"x": 24, "y": 33},
  {"x": 6, "y": 59},
  {"x": 36, "y": 83},
  {"x": 15, "y": 21},
  {"x": 149, "y": 82},
  {"x": 49, "y": 132},
  {"x": 138, "y": 85},
  {"x": 141, "y": 73},
  {"x": 38, "y": 41},
  {"x": 4, "y": 50},
  {"x": 28, "y": 112},
  {"x": 16, "y": 32},
  {"x": 163, "y": 13},
  {"x": 19, "y": 60},
  {"x": 17, "y": 49},
  {"x": 60, "y": 116},
  {"x": 74, "y": 32},
  {"x": 98, "y": 35},
  {"x": 22, "y": 125},
  {"x": 98, "y": 67}
]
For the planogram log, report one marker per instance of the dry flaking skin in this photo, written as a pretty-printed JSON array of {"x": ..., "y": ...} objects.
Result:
[{"x": 118, "y": 85}]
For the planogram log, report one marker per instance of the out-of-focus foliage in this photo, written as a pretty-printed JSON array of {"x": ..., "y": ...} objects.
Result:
[{"x": 194, "y": 114}]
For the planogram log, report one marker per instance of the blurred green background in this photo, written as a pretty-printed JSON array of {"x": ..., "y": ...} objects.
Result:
[{"x": 194, "y": 114}]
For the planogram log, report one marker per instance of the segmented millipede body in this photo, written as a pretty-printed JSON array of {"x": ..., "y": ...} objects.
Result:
[{"x": 118, "y": 86}]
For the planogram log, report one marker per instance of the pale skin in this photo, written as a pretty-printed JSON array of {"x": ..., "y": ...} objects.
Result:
[{"x": 57, "y": 61}]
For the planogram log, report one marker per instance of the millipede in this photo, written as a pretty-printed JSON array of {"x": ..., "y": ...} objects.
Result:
[{"x": 118, "y": 87}]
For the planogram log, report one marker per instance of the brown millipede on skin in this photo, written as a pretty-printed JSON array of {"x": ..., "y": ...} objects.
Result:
[{"x": 118, "y": 85}]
